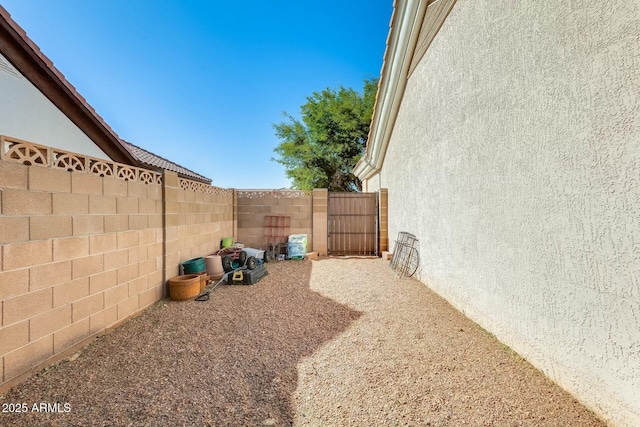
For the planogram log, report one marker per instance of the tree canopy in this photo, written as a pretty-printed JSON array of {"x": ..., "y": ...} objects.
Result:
[{"x": 321, "y": 149}]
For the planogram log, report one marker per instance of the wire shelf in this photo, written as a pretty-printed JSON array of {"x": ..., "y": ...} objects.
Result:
[{"x": 405, "y": 259}]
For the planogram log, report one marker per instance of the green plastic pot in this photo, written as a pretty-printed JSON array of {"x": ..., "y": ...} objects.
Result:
[{"x": 194, "y": 265}]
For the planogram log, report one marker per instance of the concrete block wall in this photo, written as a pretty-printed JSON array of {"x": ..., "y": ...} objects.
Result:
[
  {"x": 198, "y": 217},
  {"x": 254, "y": 205},
  {"x": 86, "y": 243},
  {"x": 383, "y": 217},
  {"x": 79, "y": 254},
  {"x": 320, "y": 224}
]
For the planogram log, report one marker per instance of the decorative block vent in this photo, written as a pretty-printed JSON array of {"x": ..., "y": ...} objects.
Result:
[
  {"x": 187, "y": 184},
  {"x": 274, "y": 194},
  {"x": 28, "y": 153}
]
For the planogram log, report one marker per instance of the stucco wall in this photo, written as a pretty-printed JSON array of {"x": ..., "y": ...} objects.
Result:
[
  {"x": 25, "y": 113},
  {"x": 522, "y": 124}
]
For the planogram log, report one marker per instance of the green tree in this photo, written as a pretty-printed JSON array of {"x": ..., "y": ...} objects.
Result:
[{"x": 321, "y": 149}]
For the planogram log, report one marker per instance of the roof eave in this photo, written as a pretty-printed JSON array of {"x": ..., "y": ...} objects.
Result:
[
  {"x": 405, "y": 28},
  {"x": 24, "y": 54}
]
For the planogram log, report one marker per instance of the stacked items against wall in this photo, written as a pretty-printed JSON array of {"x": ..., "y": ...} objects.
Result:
[{"x": 276, "y": 231}]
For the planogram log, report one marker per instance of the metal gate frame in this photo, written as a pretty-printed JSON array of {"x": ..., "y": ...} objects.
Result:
[{"x": 354, "y": 220}]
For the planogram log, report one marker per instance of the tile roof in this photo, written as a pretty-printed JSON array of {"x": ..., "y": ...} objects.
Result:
[{"x": 154, "y": 161}]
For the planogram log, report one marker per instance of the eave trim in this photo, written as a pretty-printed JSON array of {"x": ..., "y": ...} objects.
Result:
[{"x": 406, "y": 25}]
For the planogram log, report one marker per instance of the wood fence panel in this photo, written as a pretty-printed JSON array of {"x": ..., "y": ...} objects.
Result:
[{"x": 353, "y": 224}]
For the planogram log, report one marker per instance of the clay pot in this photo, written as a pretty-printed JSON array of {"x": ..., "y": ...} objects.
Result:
[
  {"x": 214, "y": 266},
  {"x": 182, "y": 288},
  {"x": 204, "y": 280}
]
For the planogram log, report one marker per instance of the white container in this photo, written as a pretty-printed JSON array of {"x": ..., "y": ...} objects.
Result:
[{"x": 297, "y": 246}]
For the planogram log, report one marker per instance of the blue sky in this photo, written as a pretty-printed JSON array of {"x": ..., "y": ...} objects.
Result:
[{"x": 201, "y": 83}]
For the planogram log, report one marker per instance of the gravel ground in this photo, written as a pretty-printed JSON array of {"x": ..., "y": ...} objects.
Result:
[
  {"x": 354, "y": 347},
  {"x": 412, "y": 359}
]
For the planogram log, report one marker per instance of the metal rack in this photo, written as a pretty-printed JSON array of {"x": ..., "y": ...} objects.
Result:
[
  {"x": 276, "y": 228},
  {"x": 405, "y": 259},
  {"x": 276, "y": 233}
]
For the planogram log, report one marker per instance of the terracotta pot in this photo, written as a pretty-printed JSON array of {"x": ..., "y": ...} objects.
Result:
[
  {"x": 214, "y": 266},
  {"x": 204, "y": 280},
  {"x": 185, "y": 287}
]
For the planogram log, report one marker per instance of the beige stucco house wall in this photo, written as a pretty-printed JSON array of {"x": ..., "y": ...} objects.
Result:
[
  {"x": 22, "y": 101},
  {"x": 511, "y": 149}
]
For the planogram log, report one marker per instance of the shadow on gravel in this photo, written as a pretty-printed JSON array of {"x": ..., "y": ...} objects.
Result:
[{"x": 229, "y": 361}]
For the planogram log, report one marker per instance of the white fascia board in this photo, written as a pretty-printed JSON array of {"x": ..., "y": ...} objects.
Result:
[{"x": 405, "y": 28}]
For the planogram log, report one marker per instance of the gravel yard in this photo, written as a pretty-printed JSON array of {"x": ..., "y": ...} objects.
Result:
[{"x": 316, "y": 343}]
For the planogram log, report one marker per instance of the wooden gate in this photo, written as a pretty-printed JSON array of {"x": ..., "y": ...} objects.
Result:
[{"x": 352, "y": 224}]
